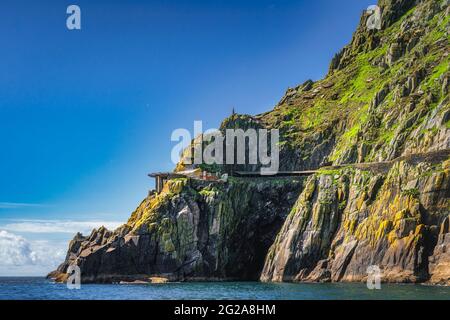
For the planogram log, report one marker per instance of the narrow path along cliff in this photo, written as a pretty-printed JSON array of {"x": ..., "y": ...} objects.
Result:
[{"x": 374, "y": 138}]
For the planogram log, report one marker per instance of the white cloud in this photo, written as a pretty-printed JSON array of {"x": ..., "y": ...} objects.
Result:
[
  {"x": 49, "y": 253},
  {"x": 36, "y": 247},
  {"x": 15, "y": 250},
  {"x": 17, "y": 205},
  {"x": 18, "y": 256},
  {"x": 58, "y": 226}
]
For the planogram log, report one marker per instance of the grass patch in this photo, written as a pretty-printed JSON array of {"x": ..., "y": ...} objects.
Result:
[{"x": 413, "y": 193}]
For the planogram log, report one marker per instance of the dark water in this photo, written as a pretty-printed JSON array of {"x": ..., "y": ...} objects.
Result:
[{"x": 40, "y": 288}]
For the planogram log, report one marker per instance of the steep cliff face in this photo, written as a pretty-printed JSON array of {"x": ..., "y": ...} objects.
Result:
[
  {"x": 192, "y": 230},
  {"x": 386, "y": 94},
  {"x": 347, "y": 220},
  {"x": 384, "y": 105},
  {"x": 397, "y": 105}
]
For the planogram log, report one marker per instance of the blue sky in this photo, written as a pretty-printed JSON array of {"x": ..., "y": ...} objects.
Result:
[{"x": 86, "y": 114}]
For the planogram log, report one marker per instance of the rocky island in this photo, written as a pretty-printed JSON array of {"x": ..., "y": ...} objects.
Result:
[{"x": 376, "y": 132}]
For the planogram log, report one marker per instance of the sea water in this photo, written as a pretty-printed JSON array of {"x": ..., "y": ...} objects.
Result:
[{"x": 41, "y": 288}]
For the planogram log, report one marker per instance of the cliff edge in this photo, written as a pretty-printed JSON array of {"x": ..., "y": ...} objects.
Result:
[{"x": 384, "y": 100}]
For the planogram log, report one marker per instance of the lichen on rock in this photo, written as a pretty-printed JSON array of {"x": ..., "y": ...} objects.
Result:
[{"x": 380, "y": 116}]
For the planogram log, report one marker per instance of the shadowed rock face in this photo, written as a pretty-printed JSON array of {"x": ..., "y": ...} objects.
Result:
[
  {"x": 348, "y": 220},
  {"x": 191, "y": 230},
  {"x": 385, "y": 97},
  {"x": 440, "y": 259}
]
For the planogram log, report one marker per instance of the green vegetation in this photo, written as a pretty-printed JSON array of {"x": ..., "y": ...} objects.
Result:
[
  {"x": 329, "y": 172},
  {"x": 212, "y": 168},
  {"x": 413, "y": 193}
]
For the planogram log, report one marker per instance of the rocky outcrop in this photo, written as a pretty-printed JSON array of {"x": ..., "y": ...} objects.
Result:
[
  {"x": 408, "y": 115},
  {"x": 384, "y": 100},
  {"x": 192, "y": 230},
  {"x": 440, "y": 259},
  {"x": 348, "y": 220}
]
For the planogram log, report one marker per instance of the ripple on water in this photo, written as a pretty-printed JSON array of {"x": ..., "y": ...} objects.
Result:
[{"x": 40, "y": 288}]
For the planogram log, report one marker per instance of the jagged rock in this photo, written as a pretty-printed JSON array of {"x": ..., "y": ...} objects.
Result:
[
  {"x": 445, "y": 85},
  {"x": 395, "y": 52},
  {"x": 307, "y": 233},
  {"x": 190, "y": 231},
  {"x": 309, "y": 96},
  {"x": 394, "y": 9},
  {"x": 383, "y": 225},
  {"x": 440, "y": 260},
  {"x": 336, "y": 61},
  {"x": 363, "y": 151},
  {"x": 364, "y": 39},
  {"x": 414, "y": 80},
  {"x": 339, "y": 221},
  {"x": 320, "y": 273},
  {"x": 306, "y": 86},
  {"x": 335, "y": 96},
  {"x": 379, "y": 97}
]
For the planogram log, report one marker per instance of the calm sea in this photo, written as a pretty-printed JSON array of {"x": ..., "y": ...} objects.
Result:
[{"x": 40, "y": 288}]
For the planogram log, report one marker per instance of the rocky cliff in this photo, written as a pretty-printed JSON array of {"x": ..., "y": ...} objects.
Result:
[
  {"x": 384, "y": 104},
  {"x": 347, "y": 220},
  {"x": 192, "y": 230}
]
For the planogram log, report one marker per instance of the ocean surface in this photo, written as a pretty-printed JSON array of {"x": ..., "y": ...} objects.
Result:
[{"x": 40, "y": 288}]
